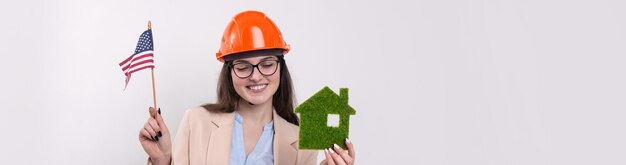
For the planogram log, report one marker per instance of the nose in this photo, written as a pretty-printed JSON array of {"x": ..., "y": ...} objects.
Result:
[{"x": 256, "y": 75}]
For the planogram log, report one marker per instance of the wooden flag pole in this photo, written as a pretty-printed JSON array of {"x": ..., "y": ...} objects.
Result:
[
  {"x": 153, "y": 90},
  {"x": 152, "y": 69}
]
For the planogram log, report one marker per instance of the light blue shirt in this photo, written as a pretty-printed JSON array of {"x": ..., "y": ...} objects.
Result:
[{"x": 263, "y": 152}]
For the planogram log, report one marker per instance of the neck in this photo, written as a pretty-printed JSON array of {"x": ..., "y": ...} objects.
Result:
[{"x": 255, "y": 114}]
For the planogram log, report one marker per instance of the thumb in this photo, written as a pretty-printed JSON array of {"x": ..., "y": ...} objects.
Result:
[{"x": 152, "y": 112}]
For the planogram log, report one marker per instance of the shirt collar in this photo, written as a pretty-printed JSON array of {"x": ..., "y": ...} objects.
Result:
[{"x": 239, "y": 120}]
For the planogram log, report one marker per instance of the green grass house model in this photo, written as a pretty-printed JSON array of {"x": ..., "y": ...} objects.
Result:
[{"x": 315, "y": 112}]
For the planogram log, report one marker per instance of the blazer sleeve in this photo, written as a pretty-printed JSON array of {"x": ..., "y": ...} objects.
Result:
[
  {"x": 307, "y": 157},
  {"x": 180, "y": 148}
]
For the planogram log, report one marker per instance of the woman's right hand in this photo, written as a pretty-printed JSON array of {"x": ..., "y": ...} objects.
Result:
[{"x": 155, "y": 139}]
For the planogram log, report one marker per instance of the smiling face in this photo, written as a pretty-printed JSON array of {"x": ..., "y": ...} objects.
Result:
[{"x": 259, "y": 87}]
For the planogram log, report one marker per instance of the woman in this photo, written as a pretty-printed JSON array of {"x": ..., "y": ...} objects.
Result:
[{"x": 253, "y": 121}]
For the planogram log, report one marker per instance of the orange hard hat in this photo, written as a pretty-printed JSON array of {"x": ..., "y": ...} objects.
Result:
[{"x": 249, "y": 31}]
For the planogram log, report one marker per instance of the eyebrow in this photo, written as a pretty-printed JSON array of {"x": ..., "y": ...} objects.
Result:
[{"x": 263, "y": 59}]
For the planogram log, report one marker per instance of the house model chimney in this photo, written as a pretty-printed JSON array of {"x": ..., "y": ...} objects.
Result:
[{"x": 343, "y": 95}]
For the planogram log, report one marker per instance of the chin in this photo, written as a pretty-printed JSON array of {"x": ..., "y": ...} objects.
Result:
[{"x": 258, "y": 101}]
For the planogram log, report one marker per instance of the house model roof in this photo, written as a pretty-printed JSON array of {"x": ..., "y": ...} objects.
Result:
[{"x": 328, "y": 102}]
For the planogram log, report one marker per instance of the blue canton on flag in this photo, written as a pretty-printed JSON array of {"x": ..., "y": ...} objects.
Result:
[{"x": 145, "y": 42}]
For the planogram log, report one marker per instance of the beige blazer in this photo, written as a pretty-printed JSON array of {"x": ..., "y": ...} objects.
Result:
[{"x": 204, "y": 138}]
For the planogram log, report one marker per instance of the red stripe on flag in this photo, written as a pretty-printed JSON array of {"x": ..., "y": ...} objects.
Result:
[
  {"x": 133, "y": 70},
  {"x": 137, "y": 58},
  {"x": 139, "y": 55},
  {"x": 136, "y": 63},
  {"x": 126, "y": 60},
  {"x": 141, "y": 68},
  {"x": 141, "y": 63}
]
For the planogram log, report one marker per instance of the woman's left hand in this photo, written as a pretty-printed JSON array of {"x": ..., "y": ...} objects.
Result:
[{"x": 338, "y": 156}]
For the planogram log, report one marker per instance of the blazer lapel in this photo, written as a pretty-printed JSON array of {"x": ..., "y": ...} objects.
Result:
[
  {"x": 285, "y": 141},
  {"x": 218, "y": 151}
]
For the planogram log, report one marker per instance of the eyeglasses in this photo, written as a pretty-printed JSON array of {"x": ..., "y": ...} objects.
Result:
[{"x": 245, "y": 70}]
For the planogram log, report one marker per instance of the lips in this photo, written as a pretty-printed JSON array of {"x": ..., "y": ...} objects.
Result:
[{"x": 257, "y": 88}]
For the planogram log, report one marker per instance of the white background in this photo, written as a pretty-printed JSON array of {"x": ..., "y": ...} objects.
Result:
[{"x": 433, "y": 82}]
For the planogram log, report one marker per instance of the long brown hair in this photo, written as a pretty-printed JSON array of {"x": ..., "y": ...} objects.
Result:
[{"x": 227, "y": 97}]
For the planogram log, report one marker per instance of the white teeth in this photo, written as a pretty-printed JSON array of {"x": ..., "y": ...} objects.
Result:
[{"x": 257, "y": 87}]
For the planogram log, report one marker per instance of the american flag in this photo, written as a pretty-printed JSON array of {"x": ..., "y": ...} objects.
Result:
[{"x": 141, "y": 59}]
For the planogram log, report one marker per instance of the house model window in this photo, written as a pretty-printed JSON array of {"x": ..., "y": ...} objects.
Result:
[
  {"x": 324, "y": 119},
  {"x": 333, "y": 120}
]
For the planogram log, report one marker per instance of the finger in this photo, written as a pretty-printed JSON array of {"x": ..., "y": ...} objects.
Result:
[
  {"x": 338, "y": 160},
  {"x": 144, "y": 134},
  {"x": 160, "y": 121},
  {"x": 154, "y": 125},
  {"x": 148, "y": 128},
  {"x": 329, "y": 159},
  {"x": 343, "y": 154},
  {"x": 350, "y": 148}
]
